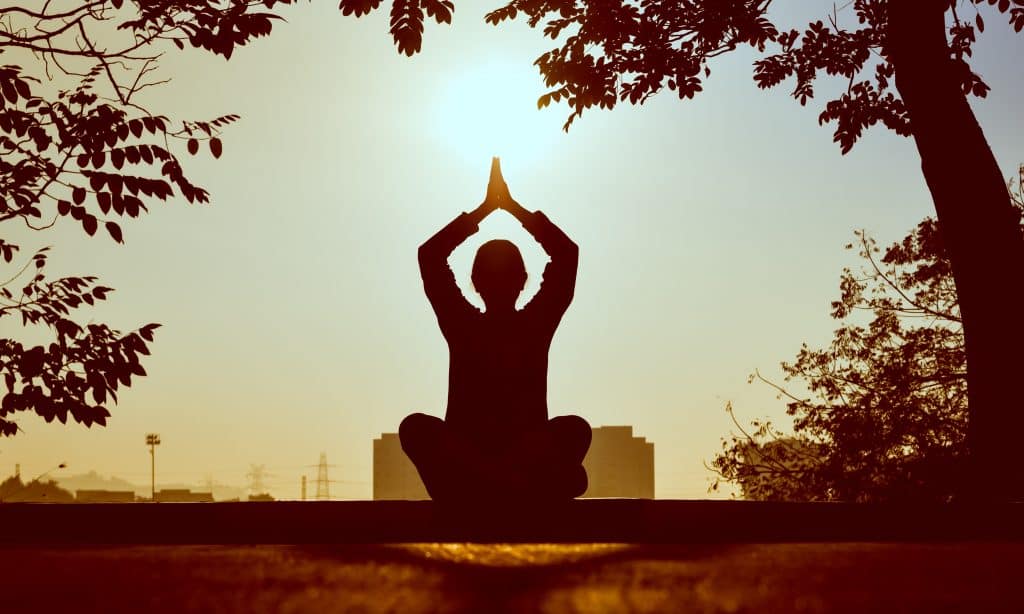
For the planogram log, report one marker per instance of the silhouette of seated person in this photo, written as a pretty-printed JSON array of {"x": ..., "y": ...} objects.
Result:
[{"x": 496, "y": 441}]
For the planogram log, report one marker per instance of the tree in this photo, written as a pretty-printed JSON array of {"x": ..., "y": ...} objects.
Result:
[
  {"x": 770, "y": 466},
  {"x": 13, "y": 490},
  {"x": 887, "y": 415},
  {"x": 92, "y": 154}
]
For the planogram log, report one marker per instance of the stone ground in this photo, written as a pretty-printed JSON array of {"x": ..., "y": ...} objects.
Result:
[{"x": 822, "y": 577}]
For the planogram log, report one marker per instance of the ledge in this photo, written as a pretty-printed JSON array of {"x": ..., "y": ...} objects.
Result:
[{"x": 589, "y": 520}]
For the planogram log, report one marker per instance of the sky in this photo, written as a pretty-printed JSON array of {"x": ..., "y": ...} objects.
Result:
[{"x": 711, "y": 236}]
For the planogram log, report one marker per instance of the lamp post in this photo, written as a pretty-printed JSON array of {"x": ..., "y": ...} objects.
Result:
[
  {"x": 152, "y": 440},
  {"x": 47, "y": 472}
]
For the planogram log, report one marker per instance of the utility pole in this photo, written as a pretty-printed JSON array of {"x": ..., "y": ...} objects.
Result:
[
  {"x": 303, "y": 488},
  {"x": 152, "y": 440}
]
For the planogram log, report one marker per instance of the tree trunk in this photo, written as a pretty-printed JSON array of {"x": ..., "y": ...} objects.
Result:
[{"x": 982, "y": 236}]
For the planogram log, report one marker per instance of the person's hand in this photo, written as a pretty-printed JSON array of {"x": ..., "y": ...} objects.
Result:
[
  {"x": 497, "y": 191},
  {"x": 498, "y": 195}
]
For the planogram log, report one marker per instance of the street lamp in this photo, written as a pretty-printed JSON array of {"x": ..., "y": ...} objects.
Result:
[
  {"x": 152, "y": 440},
  {"x": 48, "y": 472}
]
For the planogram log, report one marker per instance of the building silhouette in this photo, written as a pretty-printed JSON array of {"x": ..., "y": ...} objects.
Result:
[
  {"x": 618, "y": 465},
  {"x": 182, "y": 495},
  {"x": 394, "y": 475},
  {"x": 104, "y": 496}
]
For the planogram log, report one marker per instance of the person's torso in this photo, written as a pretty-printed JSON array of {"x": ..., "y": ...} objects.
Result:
[{"x": 497, "y": 380}]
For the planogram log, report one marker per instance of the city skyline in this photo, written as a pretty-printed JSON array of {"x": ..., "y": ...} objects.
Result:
[{"x": 604, "y": 436}]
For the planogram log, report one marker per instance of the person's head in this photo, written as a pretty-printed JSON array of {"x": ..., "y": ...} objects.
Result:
[{"x": 499, "y": 274}]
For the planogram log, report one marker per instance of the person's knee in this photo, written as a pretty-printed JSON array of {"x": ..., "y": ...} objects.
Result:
[
  {"x": 573, "y": 433},
  {"x": 417, "y": 429},
  {"x": 572, "y": 426},
  {"x": 566, "y": 482}
]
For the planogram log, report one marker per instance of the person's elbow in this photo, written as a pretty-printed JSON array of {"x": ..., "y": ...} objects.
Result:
[
  {"x": 571, "y": 249},
  {"x": 426, "y": 254},
  {"x": 569, "y": 252}
]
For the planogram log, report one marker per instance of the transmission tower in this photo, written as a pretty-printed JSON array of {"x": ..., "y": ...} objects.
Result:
[
  {"x": 257, "y": 479},
  {"x": 323, "y": 489}
]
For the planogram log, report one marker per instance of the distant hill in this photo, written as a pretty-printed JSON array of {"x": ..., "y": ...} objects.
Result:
[{"x": 95, "y": 481}]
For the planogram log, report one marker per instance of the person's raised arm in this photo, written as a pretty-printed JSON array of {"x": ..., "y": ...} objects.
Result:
[
  {"x": 556, "y": 243},
  {"x": 438, "y": 280},
  {"x": 437, "y": 248},
  {"x": 559, "y": 281}
]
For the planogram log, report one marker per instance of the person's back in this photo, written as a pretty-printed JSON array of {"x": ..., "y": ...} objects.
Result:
[
  {"x": 497, "y": 381},
  {"x": 498, "y": 374}
]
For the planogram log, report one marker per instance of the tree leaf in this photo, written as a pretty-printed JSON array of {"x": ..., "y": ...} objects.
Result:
[
  {"x": 115, "y": 233},
  {"x": 103, "y": 200},
  {"x": 89, "y": 223}
]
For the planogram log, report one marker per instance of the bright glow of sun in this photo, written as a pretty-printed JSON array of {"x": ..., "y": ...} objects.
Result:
[{"x": 490, "y": 109}]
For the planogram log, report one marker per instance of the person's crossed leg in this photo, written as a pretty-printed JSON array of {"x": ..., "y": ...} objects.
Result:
[{"x": 542, "y": 464}]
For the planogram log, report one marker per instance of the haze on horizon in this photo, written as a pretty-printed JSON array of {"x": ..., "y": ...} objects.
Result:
[{"x": 294, "y": 322}]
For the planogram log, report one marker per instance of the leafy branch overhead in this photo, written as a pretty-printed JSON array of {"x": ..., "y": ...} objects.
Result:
[
  {"x": 622, "y": 51},
  {"x": 609, "y": 52},
  {"x": 76, "y": 145},
  {"x": 612, "y": 51}
]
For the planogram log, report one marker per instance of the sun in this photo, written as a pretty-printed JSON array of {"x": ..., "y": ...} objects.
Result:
[{"x": 490, "y": 109}]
